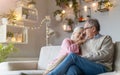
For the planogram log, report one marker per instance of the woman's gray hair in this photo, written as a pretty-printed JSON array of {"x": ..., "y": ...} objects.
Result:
[{"x": 76, "y": 29}]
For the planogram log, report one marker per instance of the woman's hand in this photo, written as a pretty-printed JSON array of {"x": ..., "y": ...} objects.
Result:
[{"x": 81, "y": 39}]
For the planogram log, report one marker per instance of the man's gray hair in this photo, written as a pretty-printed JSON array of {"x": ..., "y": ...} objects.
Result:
[{"x": 94, "y": 22}]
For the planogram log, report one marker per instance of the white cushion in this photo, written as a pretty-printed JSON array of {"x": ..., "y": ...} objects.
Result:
[
  {"x": 47, "y": 54},
  {"x": 20, "y": 72},
  {"x": 18, "y": 65},
  {"x": 32, "y": 72}
]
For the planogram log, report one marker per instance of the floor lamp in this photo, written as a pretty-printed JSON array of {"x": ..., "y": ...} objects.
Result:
[{"x": 49, "y": 31}]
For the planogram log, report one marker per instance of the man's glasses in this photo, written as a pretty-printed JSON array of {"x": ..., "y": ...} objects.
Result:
[{"x": 88, "y": 27}]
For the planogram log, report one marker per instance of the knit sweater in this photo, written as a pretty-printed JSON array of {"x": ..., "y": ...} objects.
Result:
[{"x": 99, "y": 49}]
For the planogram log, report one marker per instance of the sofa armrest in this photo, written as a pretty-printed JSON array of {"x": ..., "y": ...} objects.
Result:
[{"x": 18, "y": 65}]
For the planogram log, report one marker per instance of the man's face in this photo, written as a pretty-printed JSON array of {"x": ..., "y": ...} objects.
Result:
[{"x": 89, "y": 30}]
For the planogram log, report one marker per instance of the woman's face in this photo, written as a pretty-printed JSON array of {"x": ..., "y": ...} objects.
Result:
[{"x": 78, "y": 34}]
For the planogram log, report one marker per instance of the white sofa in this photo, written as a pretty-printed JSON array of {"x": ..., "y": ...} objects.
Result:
[{"x": 47, "y": 53}]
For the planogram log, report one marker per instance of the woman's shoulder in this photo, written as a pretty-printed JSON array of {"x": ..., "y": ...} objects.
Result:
[{"x": 67, "y": 39}]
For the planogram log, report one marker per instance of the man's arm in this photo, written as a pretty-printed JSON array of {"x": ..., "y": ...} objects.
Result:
[{"x": 105, "y": 53}]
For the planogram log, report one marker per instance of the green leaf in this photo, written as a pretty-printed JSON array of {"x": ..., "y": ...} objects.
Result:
[{"x": 6, "y": 50}]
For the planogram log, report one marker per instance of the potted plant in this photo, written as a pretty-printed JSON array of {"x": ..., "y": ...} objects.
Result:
[
  {"x": 9, "y": 35},
  {"x": 65, "y": 3},
  {"x": 104, "y": 6},
  {"x": 11, "y": 16},
  {"x": 31, "y": 4},
  {"x": 58, "y": 15},
  {"x": 68, "y": 26},
  {"x": 5, "y": 50}
]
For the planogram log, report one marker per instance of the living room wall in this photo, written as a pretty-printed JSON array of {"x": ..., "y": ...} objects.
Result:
[
  {"x": 36, "y": 38},
  {"x": 110, "y": 24}
]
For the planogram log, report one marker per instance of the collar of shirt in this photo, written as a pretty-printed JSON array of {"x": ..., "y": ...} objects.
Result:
[{"x": 97, "y": 36}]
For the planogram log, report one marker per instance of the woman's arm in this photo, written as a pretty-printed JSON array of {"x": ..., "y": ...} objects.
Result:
[{"x": 69, "y": 46}]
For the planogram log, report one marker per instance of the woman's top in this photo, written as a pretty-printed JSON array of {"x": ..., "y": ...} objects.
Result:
[{"x": 67, "y": 47}]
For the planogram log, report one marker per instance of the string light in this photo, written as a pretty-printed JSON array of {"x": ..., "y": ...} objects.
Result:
[
  {"x": 46, "y": 20},
  {"x": 102, "y": 5},
  {"x": 94, "y": 4},
  {"x": 70, "y": 4},
  {"x": 85, "y": 8},
  {"x": 63, "y": 11}
]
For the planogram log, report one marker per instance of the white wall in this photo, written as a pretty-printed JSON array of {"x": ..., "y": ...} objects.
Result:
[
  {"x": 110, "y": 22},
  {"x": 6, "y": 5}
]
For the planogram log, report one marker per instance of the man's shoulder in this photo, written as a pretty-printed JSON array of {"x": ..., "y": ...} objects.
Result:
[
  {"x": 103, "y": 36},
  {"x": 106, "y": 36}
]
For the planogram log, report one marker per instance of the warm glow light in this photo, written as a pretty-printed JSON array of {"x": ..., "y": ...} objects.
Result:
[
  {"x": 19, "y": 38},
  {"x": 18, "y": 17},
  {"x": 94, "y": 4},
  {"x": 13, "y": 39},
  {"x": 70, "y": 4},
  {"x": 63, "y": 11},
  {"x": 85, "y": 8},
  {"x": 64, "y": 27}
]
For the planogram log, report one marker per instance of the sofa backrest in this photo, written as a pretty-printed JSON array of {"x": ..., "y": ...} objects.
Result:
[
  {"x": 47, "y": 54},
  {"x": 117, "y": 57}
]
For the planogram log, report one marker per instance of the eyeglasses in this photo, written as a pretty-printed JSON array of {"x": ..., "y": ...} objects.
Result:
[{"x": 88, "y": 27}]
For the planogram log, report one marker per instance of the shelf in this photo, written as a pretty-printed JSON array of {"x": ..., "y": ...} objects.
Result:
[
  {"x": 16, "y": 26},
  {"x": 16, "y": 42},
  {"x": 14, "y": 34},
  {"x": 27, "y": 14}
]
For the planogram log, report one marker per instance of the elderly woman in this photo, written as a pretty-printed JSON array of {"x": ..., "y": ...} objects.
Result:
[{"x": 68, "y": 45}]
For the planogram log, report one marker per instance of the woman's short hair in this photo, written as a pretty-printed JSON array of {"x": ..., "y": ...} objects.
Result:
[
  {"x": 76, "y": 29},
  {"x": 94, "y": 22}
]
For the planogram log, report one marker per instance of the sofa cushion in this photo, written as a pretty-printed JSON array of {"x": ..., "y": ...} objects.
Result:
[
  {"x": 23, "y": 72},
  {"x": 117, "y": 56},
  {"x": 32, "y": 72},
  {"x": 10, "y": 73},
  {"x": 47, "y": 54}
]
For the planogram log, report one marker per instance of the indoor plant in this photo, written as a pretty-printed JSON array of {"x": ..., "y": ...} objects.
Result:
[
  {"x": 5, "y": 50},
  {"x": 67, "y": 13},
  {"x": 11, "y": 16},
  {"x": 64, "y": 3}
]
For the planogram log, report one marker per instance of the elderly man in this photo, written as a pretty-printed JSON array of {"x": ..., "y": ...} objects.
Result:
[{"x": 96, "y": 58}]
